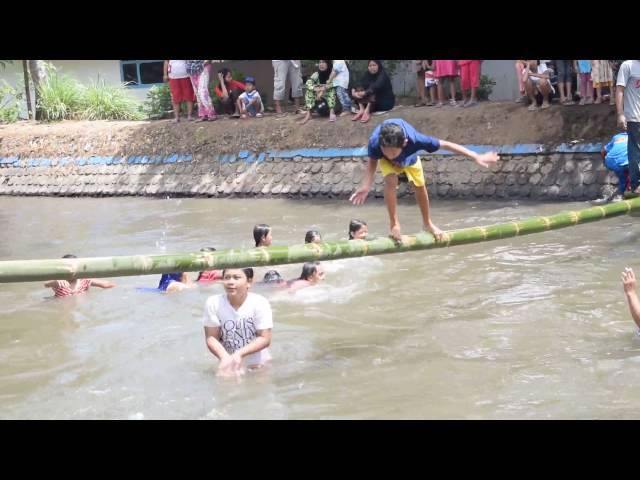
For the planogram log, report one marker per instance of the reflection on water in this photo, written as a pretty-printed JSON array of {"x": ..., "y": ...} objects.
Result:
[{"x": 531, "y": 327}]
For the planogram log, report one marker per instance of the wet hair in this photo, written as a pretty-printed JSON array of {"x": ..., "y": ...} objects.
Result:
[
  {"x": 260, "y": 231},
  {"x": 308, "y": 269},
  {"x": 354, "y": 226},
  {"x": 391, "y": 135},
  {"x": 272, "y": 276},
  {"x": 247, "y": 271},
  {"x": 68, "y": 255},
  {"x": 311, "y": 235},
  {"x": 204, "y": 249}
]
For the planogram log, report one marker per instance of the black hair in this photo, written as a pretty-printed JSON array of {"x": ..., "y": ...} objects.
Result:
[
  {"x": 310, "y": 235},
  {"x": 224, "y": 71},
  {"x": 308, "y": 269},
  {"x": 68, "y": 255},
  {"x": 272, "y": 276},
  {"x": 354, "y": 226},
  {"x": 247, "y": 271},
  {"x": 260, "y": 231},
  {"x": 392, "y": 135}
]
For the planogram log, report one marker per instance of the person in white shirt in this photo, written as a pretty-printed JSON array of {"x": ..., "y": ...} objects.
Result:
[
  {"x": 340, "y": 78},
  {"x": 536, "y": 79},
  {"x": 237, "y": 324},
  {"x": 175, "y": 72},
  {"x": 628, "y": 110}
]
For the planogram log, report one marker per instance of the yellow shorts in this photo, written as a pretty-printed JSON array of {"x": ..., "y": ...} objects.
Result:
[{"x": 413, "y": 172}]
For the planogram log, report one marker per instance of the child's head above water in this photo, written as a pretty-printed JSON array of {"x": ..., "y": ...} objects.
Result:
[
  {"x": 392, "y": 140},
  {"x": 272, "y": 276},
  {"x": 358, "y": 230},
  {"x": 312, "y": 272},
  {"x": 312, "y": 236},
  {"x": 69, "y": 255},
  {"x": 237, "y": 281},
  {"x": 262, "y": 235}
]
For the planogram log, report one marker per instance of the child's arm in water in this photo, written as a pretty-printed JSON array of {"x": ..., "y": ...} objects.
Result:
[
  {"x": 629, "y": 283},
  {"x": 482, "y": 159},
  {"x": 52, "y": 284},
  {"x": 102, "y": 283},
  {"x": 212, "y": 338}
]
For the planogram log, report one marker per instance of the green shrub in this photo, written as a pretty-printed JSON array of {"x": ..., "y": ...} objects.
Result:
[
  {"x": 108, "y": 102},
  {"x": 59, "y": 97},
  {"x": 9, "y": 103},
  {"x": 158, "y": 102}
]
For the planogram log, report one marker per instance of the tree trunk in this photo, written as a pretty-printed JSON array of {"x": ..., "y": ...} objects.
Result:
[
  {"x": 27, "y": 90},
  {"x": 69, "y": 269},
  {"x": 38, "y": 71}
]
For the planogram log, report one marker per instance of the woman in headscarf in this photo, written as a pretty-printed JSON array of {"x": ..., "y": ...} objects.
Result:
[
  {"x": 374, "y": 94},
  {"x": 319, "y": 94}
]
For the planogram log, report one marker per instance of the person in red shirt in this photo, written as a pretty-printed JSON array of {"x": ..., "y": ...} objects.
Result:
[
  {"x": 228, "y": 90},
  {"x": 63, "y": 288},
  {"x": 209, "y": 275}
]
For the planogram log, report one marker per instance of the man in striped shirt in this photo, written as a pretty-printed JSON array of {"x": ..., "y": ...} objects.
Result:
[{"x": 63, "y": 288}]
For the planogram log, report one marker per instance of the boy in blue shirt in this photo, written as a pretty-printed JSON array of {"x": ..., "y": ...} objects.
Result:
[
  {"x": 616, "y": 159},
  {"x": 394, "y": 144}
]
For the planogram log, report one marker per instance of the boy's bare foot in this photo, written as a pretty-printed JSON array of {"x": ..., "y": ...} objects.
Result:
[
  {"x": 438, "y": 234},
  {"x": 395, "y": 233}
]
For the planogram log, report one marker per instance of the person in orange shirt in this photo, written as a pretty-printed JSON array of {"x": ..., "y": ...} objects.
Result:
[{"x": 228, "y": 91}]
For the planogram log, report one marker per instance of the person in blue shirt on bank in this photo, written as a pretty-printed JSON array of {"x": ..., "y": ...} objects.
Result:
[
  {"x": 616, "y": 159},
  {"x": 395, "y": 145}
]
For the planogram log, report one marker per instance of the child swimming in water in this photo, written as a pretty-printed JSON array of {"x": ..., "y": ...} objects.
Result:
[
  {"x": 262, "y": 235},
  {"x": 312, "y": 236},
  {"x": 629, "y": 284},
  {"x": 238, "y": 324},
  {"x": 358, "y": 230},
  {"x": 210, "y": 275},
  {"x": 312, "y": 274},
  {"x": 273, "y": 277},
  {"x": 174, "y": 282},
  {"x": 64, "y": 288}
]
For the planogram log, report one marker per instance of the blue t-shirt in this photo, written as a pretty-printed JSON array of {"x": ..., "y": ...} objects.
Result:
[
  {"x": 617, "y": 156},
  {"x": 584, "y": 66},
  {"x": 416, "y": 142}
]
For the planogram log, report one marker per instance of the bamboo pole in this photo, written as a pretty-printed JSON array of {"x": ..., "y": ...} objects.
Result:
[{"x": 96, "y": 267}]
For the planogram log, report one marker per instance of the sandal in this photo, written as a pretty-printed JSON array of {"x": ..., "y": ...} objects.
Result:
[
  {"x": 453, "y": 103},
  {"x": 259, "y": 115},
  {"x": 532, "y": 108}
]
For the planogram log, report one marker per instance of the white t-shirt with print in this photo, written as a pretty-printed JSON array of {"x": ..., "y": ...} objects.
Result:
[
  {"x": 238, "y": 327},
  {"x": 629, "y": 78},
  {"x": 178, "y": 69},
  {"x": 342, "y": 74}
]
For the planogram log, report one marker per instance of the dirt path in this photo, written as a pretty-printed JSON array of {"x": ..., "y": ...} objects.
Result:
[{"x": 495, "y": 123}]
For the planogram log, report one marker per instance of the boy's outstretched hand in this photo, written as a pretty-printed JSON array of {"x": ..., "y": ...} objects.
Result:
[
  {"x": 359, "y": 196},
  {"x": 487, "y": 159},
  {"x": 629, "y": 281}
]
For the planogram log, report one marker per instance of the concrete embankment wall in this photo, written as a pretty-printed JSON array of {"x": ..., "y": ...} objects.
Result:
[{"x": 565, "y": 172}]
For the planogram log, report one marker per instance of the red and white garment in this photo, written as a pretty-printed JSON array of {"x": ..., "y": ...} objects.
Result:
[{"x": 64, "y": 289}]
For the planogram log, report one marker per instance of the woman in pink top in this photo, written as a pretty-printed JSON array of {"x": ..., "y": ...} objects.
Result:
[
  {"x": 446, "y": 70},
  {"x": 63, "y": 288}
]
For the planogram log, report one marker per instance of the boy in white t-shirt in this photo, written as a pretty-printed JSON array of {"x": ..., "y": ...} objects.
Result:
[
  {"x": 237, "y": 324},
  {"x": 340, "y": 78},
  {"x": 250, "y": 102}
]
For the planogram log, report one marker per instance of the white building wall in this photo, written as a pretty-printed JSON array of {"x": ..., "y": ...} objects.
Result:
[{"x": 84, "y": 71}]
